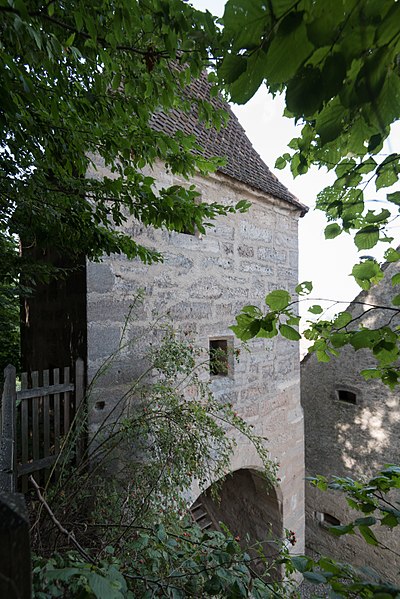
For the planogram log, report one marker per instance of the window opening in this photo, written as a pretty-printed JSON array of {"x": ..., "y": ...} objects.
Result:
[
  {"x": 219, "y": 357},
  {"x": 326, "y": 520},
  {"x": 347, "y": 396},
  {"x": 329, "y": 519}
]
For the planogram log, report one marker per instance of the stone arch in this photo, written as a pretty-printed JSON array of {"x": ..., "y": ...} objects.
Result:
[{"x": 249, "y": 506}]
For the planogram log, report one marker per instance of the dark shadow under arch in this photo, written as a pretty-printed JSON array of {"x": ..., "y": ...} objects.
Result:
[{"x": 249, "y": 506}]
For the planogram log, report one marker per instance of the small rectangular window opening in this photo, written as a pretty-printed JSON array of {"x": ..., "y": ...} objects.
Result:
[
  {"x": 219, "y": 365},
  {"x": 326, "y": 520},
  {"x": 346, "y": 396},
  {"x": 329, "y": 519}
]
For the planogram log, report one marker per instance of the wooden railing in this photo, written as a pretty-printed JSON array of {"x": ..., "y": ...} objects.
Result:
[{"x": 34, "y": 422}]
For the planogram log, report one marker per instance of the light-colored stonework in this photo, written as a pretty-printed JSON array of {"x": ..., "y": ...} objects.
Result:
[
  {"x": 202, "y": 284},
  {"x": 350, "y": 440}
]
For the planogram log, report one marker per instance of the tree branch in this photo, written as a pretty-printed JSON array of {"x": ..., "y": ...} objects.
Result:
[{"x": 69, "y": 534}]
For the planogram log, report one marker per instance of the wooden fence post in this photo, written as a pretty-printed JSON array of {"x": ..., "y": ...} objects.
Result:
[
  {"x": 7, "y": 438},
  {"x": 15, "y": 552},
  {"x": 79, "y": 396}
]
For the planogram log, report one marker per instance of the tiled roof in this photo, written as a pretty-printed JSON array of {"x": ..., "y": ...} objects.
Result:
[{"x": 243, "y": 162}]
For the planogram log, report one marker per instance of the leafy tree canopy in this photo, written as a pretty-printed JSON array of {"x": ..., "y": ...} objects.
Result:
[
  {"x": 338, "y": 65},
  {"x": 79, "y": 79}
]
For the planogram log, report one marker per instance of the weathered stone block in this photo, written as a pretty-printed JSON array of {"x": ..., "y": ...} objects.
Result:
[
  {"x": 224, "y": 263},
  {"x": 227, "y": 249},
  {"x": 104, "y": 309},
  {"x": 103, "y": 341},
  {"x": 183, "y": 240},
  {"x": 186, "y": 310},
  {"x": 245, "y": 251},
  {"x": 178, "y": 261},
  {"x": 222, "y": 231},
  {"x": 252, "y": 231},
  {"x": 255, "y": 267},
  {"x": 207, "y": 288},
  {"x": 100, "y": 277},
  {"x": 272, "y": 255}
]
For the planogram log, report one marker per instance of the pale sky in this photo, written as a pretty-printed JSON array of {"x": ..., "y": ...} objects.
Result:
[{"x": 327, "y": 263}]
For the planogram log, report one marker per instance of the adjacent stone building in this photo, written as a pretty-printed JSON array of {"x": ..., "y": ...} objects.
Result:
[
  {"x": 202, "y": 284},
  {"x": 352, "y": 428}
]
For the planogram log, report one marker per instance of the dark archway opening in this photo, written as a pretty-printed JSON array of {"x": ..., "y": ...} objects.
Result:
[{"x": 251, "y": 510}]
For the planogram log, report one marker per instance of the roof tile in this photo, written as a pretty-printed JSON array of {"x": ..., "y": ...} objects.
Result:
[{"x": 243, "y": 163}]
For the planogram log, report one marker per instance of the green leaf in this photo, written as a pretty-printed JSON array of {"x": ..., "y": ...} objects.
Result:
[
  {"x": 289, "y": 332},
  {"x": 396, "y": 279},
  {"x": 213, "y": 585},
  {"x": 322, "y": 356},
  {"x": 367, "y": 237},
  {"x": 278, "y": 299},
  {"x": 371, "y": 217},
  {"x": 342, "y": 529},
  {"x": 300, "y": 562},
  {"x": 253, "y": 311},
  {"x": 315, "y": 577},
  {"x": 366, "y": 273},
  {"x": 332, "y": 231},
  {"x": 268, "y": 326},
  {"x": 392, "y": 255},
  {"x": 244, "y": 88},
  {"x": 70, "y": 40},
  {"x": 62, "y": 573},
  {"x": 364, "y": 338},
  {"x": 280, "y": 163},
  {"x": 387, "y": 29},
  {"x": 368, "y": 535},
  {"x": 329, "y": 123},
  {"x": 233, "y": 65},
  {"x": 242, "y": 206},
  {"x": 116, "y": 82},
  {"x": 293, "y": 320},
  {"x": 339, "y": 339},
  {"x": 102, "y": 587},
  {"x": 375, "y": 142},
  {"x": 247, "y": 325},
  {"x": 390, "y": 520},
  {"x": 368, "y": 521},
  {"x": 371, "y": 373},
  {"x": 329, "y": 566},
  {"x": 396, "y": 300},
  {"x": 244, "y": 22},
  {"x": 161, "y": 534},
  {"x": 342, "y": 319},
  {"x": 387, "y": 172},
  {"x": 304, "y": 288},
  {"x": 394, "y": 197},
  {"x": 288, "y": 49},
  {"x": 315, "y": 309},
  {"x": 238, "y": 590},
  {"x": 304, "y": 92}
]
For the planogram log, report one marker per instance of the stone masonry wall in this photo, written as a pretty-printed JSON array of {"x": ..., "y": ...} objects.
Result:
[
  {"x": 350, "y": 440},
  {"x": 202, "y": 284}
]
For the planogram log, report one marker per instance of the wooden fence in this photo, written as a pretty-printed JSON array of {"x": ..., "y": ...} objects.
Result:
[{"x": 34, "y": 421}]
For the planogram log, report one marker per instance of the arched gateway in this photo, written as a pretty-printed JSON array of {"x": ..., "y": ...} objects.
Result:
[{"x": 249, "y": 506}]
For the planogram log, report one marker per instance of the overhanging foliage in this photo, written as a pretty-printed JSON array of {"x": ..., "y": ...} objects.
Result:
[{"x": 79, "y": 80}]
